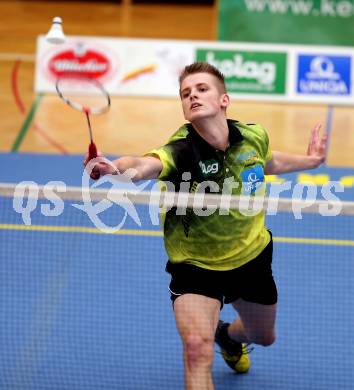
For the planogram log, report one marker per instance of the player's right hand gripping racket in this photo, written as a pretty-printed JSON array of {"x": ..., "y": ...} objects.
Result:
[{"x": 86, "y": 95}]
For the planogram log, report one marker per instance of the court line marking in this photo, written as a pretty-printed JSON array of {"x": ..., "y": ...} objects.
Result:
[
  {"x": 17, "y": 56},
  {"x": 158, "y": 233},
  {"x": 27, "y": 123},
  {"x": 314, "y": 241},
  {"x": 81, "y": 229},
  {"x": 21, "y": 106}
]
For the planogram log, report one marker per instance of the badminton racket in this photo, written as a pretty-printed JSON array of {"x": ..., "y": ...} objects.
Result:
[{"x": 86, "y": 95}]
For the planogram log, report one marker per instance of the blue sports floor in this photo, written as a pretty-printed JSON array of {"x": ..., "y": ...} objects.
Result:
[{"x": 81, "y": 310}]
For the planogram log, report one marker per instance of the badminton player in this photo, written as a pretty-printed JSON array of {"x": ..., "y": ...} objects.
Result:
[{"x": 218, "y": 259}]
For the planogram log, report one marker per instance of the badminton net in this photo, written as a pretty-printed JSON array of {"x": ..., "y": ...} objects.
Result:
[{"x": 84, "y": 302}]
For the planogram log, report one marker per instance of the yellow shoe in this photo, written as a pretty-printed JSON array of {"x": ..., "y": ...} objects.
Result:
[
  {"x": 235, "y": 354},
  {"x": 240, "y": 361}
]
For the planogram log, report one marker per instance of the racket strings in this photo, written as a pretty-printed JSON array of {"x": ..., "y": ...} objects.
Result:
[{"x": 83, "y": 94}]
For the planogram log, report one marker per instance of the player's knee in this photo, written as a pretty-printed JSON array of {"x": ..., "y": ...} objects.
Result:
[
  {"x": 199, "y": 350},
  {"x": 265, "y": 340},
  {"x": 268, "y": 340}
]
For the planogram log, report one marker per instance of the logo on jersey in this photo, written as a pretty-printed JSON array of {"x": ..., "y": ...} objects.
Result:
[
  {"x": 252, "y": 179},
  {"x": 209, "y": 167},
  {"x": 248, "y": 158}
]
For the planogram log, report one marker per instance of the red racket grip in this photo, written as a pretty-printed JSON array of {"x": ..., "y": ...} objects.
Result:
[{"x": 92, "y": 153}]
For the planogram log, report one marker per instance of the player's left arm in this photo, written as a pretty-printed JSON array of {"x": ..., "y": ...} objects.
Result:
[{"x": 287, "y": 162}]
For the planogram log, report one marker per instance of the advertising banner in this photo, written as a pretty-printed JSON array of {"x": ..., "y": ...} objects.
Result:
[
  {"x": 314, "y": 22},
  {"x": 125, "y": 66},
  {"x": 249, "y": 71},
  {"x": 149, "y": 67},
  {"x": 323, "y": 75}
]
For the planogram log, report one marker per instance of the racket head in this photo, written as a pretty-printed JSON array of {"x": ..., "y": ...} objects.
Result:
[{"x": 83, "y": 93}]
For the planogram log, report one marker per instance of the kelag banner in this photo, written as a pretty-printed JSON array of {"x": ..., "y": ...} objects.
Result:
[
  {"x": 317, "y": 22},
  {"x": 260, "y": 72}
]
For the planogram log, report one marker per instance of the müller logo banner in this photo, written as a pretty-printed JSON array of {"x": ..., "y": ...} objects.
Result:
[
  {"x": 75, "y": 57},
  {"x": 151, "y": 67},
  {"x": 90, "y": 63},
  {"x": 125, "y": 66}
]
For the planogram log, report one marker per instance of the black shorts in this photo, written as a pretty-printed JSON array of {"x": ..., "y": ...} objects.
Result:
[{"x": 253, "y": 282}]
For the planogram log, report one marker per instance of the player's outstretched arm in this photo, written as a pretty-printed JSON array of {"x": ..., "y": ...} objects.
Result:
[
  {"x": 142, "y": 168},
  {"x": 287, "y": 162},
  {"x": 146, "y": 167}
]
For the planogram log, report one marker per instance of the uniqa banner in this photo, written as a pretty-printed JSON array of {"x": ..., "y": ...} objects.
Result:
[{"x": 315, "y": 22}]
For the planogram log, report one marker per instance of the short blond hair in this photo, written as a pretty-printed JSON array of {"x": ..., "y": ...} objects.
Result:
[{"x": 203, "y": 67}]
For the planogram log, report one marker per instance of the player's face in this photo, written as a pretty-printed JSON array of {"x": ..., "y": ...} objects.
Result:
[{"x": 202, "y": 97}]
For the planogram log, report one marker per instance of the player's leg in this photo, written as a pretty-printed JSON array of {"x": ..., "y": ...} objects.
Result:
[
  {"x": 256, "y": 323},
  {"x": 197, "y": 301},
  {"x": 255, "y": 301},
  {"x": 196, "y": 318}
]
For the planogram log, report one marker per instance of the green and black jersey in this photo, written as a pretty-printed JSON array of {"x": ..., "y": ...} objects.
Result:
[{"x": 216, "y": 242}]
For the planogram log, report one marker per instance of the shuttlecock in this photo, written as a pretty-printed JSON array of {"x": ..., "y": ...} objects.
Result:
[{"x": 55, "y": 34}]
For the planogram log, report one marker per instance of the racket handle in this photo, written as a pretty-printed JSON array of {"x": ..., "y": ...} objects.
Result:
[{"x": 92, "y": 153}]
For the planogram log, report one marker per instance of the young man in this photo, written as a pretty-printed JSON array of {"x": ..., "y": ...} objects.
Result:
[{"x": 218, "y": 259}]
